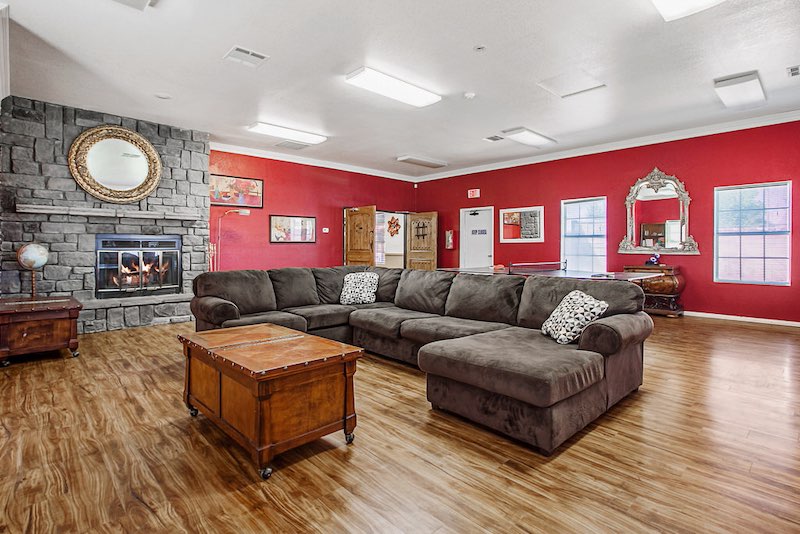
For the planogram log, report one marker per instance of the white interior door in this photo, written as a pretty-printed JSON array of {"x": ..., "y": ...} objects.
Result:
[{"x": 477, "y": 237}]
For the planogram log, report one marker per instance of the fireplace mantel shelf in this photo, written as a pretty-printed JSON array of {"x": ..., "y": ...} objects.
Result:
[{"x": 106, "y": 212}]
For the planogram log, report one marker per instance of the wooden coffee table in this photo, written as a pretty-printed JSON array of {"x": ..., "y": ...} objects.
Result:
[{"x": 270, "y": 388}]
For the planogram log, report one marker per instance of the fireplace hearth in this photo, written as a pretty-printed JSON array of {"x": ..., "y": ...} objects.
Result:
[{"x": 137, "y": 265}]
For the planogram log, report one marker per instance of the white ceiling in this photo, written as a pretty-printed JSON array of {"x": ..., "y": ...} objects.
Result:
[{"x": 102, "y": 55}]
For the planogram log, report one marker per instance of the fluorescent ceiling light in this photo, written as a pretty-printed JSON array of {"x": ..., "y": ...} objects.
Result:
[
  {"x": 528, "y": 137},
  {"x": 571, "y": 83},
  {"x": 286, "y": 133},
  {"x": 380, "y": 83},
  {"x": 677, "y": 9},
  {"x": 423, "y": 161},
  {"x": 740, "y": 90}
]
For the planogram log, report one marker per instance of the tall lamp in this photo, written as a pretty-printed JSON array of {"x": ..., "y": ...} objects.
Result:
[{"x": 217, "y": 252}]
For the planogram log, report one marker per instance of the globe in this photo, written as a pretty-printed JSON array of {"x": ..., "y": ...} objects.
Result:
[{"x": 32, "y": 256}]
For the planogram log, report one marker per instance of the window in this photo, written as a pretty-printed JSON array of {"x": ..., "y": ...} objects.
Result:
[
  {"x": 752, "y": 237},
  {"x": 380, "y": 238},
  {"x": 583, "y": 234}
]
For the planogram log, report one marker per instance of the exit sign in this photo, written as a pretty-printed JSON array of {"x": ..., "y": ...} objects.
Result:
[{"x": 473, "y": 193}]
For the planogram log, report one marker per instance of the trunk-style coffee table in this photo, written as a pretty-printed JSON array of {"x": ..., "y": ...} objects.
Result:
[{"x": 270, "y": 388}]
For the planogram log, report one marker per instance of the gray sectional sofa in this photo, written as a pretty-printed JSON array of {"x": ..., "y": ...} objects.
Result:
[{"x": 477, "y": 337}]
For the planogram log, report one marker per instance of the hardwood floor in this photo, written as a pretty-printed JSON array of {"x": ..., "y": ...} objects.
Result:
[{"x": 711, "y": 443}]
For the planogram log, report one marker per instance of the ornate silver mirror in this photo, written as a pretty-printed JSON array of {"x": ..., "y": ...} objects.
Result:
[
  {"x": 658, "y": 217},
  {"x": 115, "y": 164}
]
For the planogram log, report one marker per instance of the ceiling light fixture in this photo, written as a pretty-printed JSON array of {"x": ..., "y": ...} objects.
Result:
[
  {"x": 423, "y": 161},
  {"x": 677, "y": 9},
  {"x": 243, "y": 56},
  {"x": 286, "y": 133},
  {"x": 528, "y": 137},
  {"x": 571, "y": 83},
  {"x": 385, "y": 85},
  {"x": 740, "y": 90}
]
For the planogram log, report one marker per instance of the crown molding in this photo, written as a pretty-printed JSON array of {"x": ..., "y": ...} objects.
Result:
[
  {"x": 5, "y": 61},
  {"x": 700, "y": 131},
  {"x": 723, "y": 127},
  {"x": 279, "y": 156}
]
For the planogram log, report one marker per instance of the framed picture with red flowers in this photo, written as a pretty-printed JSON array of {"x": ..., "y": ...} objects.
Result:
[{"x": 234, "y": 191}]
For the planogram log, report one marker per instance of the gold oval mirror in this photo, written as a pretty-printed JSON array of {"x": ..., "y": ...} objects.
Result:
[{"x": 115, "y": 164}]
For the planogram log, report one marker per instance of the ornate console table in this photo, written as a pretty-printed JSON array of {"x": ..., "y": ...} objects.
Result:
[{"x": 661, "y": 293}]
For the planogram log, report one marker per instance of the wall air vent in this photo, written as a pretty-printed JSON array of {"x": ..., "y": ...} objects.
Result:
[
  {"x": 293, "y": 145},
  {"x": 423, "y": 161},
  {"x": 493, "y": 138},
  {"x": 243, "y": 56},
  {"x": 793, "y": 71}
]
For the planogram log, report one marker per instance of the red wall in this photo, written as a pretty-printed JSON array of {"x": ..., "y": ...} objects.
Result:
[
  {"x": 765, "y": 154},
  {"x": 294, "y": 189}
]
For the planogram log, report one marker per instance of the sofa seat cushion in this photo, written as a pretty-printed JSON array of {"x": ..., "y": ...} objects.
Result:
[
  {"x": 438, "y": 328},
  {"x": 289, "y": 320},
  {"x": 372, "y": 305},
  {"x": 516, "y": 362},
  {"x": 323, "y": 315},
  {"x": 385, "y": 321}
]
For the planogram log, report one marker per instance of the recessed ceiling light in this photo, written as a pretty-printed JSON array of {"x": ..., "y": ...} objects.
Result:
[
  {"x": 423, "y": 161},
  {"x": 286, "y": 133},
  {"x": 740, "y": 90},
  {"x": 163, "y": 96},
  {"x": 385, "y": 85},
  {"x": 528, "y": 137},
  {"x": 677, "y": 9},
  {"x": 571, "y": 83}
]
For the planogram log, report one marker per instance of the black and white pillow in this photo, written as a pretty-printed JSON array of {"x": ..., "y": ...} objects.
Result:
[
  {"x": 359, "y": 288},
  {"x": 572, "y": 315}
]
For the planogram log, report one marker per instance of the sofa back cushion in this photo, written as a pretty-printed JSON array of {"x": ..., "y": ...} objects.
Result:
[
  {"x": 423, "y": 291},
  {"x": 387, "y": 283},
  {"x": 330, "y": 279},
  {"x": 294, "y": 286},
  {"x": 485, "y": 298},
  {"x": 541, "y": 295},
  {"x": 250, "y": 290}
]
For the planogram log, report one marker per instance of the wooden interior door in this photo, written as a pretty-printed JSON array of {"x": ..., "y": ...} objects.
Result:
[
  {"x": 359, "y": 228},
  {"x": 422, "y": 229}
]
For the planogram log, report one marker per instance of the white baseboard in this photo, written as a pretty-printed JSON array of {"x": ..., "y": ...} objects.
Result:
[{"x": 761, "y": 320}]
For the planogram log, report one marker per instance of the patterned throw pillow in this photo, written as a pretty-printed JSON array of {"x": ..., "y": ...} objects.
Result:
[
  {"x": 359, "y": 288},
  {"x": 572, "y": 315}
]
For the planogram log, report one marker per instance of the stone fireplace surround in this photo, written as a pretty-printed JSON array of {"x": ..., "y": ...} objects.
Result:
[{"x": 41, "y": 202}]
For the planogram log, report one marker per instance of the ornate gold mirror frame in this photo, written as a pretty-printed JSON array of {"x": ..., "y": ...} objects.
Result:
[
  {"x": 656, "y": 181},
  {"x": 79, "y": 152}
]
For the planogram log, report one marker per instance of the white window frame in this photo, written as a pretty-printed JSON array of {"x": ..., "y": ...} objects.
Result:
[
  {"x": 561, "y": 230},
  {"x": 788, "y": 184}
]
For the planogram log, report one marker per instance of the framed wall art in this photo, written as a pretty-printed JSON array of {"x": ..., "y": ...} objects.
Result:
[
  {"x": 292, "y": 229},
  {"x": 233, "y": 191},
  {"x": 522, "y": 225}
]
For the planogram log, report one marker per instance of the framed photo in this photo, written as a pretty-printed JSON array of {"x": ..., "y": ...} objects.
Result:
[
  {"x": 522, "y": 225},
  {"x": 291, "y": 229},
  {"x": 233, "y": 191}
]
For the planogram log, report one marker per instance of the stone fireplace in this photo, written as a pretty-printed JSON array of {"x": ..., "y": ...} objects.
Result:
[
  {"x": 131, "y": 265},
  {"x": 41, "y": 202}
]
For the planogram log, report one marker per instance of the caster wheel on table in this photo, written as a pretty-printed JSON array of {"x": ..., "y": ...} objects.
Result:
[
  {"x": 193, "y": 411},
  {"x": 265, "y": 473},
  {"x": 348, "y": 438},
  {"x": 75, "y": 353},
  {"x": 5, "y": 363}
]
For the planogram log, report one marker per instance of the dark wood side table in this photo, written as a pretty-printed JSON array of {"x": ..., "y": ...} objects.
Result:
[
  {"x": 38, "y": 325},
  {"x": 661, "y": 294}
]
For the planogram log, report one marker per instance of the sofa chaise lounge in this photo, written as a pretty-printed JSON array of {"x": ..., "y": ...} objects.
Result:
[{"x": 477, "y": 337}]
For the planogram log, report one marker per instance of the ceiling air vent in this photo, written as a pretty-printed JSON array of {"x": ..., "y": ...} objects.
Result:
[
  {"x": 294, "y": 145},
  {"x": 493, "y": 138},
  {"x": 793, "y": 71},
  {"x": 243, "y": 56}
]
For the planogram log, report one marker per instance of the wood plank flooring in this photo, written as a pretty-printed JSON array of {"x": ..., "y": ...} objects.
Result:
[{"x": 710, "y": 443}]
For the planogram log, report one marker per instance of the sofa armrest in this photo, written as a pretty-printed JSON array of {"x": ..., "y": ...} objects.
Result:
[
  {"x": 610, "y": 335},
  {"x": 214, "y": 310}
]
